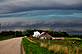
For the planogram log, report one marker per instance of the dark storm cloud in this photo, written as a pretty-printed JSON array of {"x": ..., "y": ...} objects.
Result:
[
  {"x": 56, "y": 26},
  {"x": 7, "y": 6},
  {"x": 14, "y": 14}
]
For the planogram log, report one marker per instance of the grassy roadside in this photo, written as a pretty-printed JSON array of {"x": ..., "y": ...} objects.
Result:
[
  {"x": 67, "y": 46},
  {"x": 33, "y": 48}
]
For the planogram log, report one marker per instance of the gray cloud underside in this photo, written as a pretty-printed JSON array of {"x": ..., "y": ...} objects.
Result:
[
  {"x": 7, "y": 6},
  {"x": 68, "y": 26},
  {"x": 13, "y": 6}
]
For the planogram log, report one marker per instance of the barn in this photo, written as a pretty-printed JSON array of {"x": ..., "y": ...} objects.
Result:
[{"x": 45, "y": 35}]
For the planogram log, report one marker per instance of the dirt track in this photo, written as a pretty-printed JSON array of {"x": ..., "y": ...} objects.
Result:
[{"x": 11, "y": 46}]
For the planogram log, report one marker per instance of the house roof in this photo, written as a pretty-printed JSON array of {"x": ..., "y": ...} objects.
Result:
[{"x": 46, "y": 35}]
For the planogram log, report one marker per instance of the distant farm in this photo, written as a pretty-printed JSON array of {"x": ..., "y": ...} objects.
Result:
[{"x": 46, "y": 41}]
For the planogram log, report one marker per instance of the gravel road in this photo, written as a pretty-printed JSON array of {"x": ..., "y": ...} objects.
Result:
[{"x": 11, "y": 46}]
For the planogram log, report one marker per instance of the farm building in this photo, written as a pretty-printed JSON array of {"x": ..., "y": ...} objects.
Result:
[
  {"x": 57, "y": 38},
  {"x": 42, "y": 35},
  {"x": 45, "y": 35}
]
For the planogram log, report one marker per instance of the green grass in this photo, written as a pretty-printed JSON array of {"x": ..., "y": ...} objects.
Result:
[
  {"x": 71, "y": 43},
  {"x": 5, "y": 37},
  {"x": 33, "y": 48}
]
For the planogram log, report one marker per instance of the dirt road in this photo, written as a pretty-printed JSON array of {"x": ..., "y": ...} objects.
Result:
[{"x": 11, "y": 46}]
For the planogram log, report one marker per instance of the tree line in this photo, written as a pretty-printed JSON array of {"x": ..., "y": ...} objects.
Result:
[{"x": 30, "y": 32}]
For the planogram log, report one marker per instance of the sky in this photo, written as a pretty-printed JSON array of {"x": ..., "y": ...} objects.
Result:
[
  {"x": 63, "y": 14},
  {"x": 12, "y": 6}
]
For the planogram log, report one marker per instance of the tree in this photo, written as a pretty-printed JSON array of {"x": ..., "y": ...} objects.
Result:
[
  {"x": 28, "y": 32},
  {"x": 18, "y": 33}
]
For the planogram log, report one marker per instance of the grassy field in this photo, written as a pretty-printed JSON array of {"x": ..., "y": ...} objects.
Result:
[
  {"x": 34, "y": 48},
  {"x": 67, "y": 46}
]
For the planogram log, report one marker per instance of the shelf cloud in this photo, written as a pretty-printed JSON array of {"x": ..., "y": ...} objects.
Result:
[
  {"x": 11, "y": 6},
  {"x": 65, "y": 15}
]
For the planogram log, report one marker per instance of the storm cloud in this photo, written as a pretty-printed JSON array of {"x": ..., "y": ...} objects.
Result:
[
  {"x": 12, "y": 6},
  {"x": 59, "y": 15}
]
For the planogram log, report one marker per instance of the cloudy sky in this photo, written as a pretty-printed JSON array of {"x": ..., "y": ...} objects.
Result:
[
  {"x": 9, "y": 6},
  {"x": 66, "y": 13}
]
